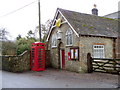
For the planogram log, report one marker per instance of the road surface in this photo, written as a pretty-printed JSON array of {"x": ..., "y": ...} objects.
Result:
[{"x": 54, "y": 78}]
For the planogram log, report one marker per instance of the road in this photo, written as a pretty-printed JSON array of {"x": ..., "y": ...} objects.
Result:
[{"x": 54, "y": 78}]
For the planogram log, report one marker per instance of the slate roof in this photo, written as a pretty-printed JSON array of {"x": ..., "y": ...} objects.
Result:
[{"x": 86, "y": 24}]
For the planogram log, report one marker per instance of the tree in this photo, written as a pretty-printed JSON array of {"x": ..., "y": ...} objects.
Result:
[
  {"x": 3, "y": 34},
  {"x": 30, "y": 34},
  {"x": 7, "y": 47},
  {"x": 18, "y": 37},
  {"x": 48, "y": 24},
  {"x": 23, "y": 43},
  {"x": 44, "y": 29}
]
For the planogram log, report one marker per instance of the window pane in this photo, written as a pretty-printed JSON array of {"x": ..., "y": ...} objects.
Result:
[
  {"x": 69, "y": 37},
  {"x": 98, "y": 51},
  {"x": 54, "y": 40},
  {"x": 72, "y": 53},
  {"x": 67, "y": 40},
  {"x": 76, "y": 53}
]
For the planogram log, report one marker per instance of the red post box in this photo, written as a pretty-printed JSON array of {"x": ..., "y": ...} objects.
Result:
[{"x": 38, "y": 57}]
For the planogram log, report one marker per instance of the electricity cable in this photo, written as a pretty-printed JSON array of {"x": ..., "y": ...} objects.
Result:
[{"x": 17, "y": 9}]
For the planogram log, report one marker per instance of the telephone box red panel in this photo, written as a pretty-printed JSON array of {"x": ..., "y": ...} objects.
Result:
[{"x": 38, "y": 57}]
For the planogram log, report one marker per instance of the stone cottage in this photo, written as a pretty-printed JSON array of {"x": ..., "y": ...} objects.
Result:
[{"x": 73, "y": 35}]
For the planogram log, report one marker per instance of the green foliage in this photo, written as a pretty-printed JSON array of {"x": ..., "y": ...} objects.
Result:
[
  {"x": 108, "y": 18},
  {"x": 24, "y": 44},
  {"x": 8, "y": 48},
  {"x": 84, "y": 25},
  {"x": 91, "y": 27}
]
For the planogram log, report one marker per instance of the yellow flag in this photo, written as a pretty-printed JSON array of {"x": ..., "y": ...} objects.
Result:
[{"x": 58, "y": 23}]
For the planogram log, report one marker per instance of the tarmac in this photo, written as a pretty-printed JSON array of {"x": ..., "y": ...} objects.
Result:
[{"x": 55, "y": 78}]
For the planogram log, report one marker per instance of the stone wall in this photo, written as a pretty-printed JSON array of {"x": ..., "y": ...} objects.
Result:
[
  {"x": 16, "y": 63},
  {"x": 70, "y": 65},
  {"x": 86, "y": 46},
  {"x": 54, "y": 58},
  {"x": 47, "y": 59},
  {"x": 118, "y": 47}
]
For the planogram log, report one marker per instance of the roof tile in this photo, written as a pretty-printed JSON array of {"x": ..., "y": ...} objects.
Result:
[{"x": 86, "y": 24}]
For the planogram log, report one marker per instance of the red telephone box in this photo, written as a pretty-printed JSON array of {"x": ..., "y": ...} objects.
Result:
[{"x": 38, "y": 57}]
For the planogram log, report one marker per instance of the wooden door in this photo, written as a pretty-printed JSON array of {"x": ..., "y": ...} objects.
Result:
[{"x": 62, "y": 58}]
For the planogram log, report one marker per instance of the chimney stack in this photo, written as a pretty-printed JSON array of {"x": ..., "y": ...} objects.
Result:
[{"x": 95, "y": 10}]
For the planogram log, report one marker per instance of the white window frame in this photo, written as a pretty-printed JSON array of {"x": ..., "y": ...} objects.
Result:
[
  {"x": 54, "y": 40},
  {"x": 69, "y": 37},
  {"x": 98, "y": 51}
]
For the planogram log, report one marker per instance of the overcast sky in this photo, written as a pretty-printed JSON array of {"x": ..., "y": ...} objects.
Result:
[{"x": 26, "y": 18}]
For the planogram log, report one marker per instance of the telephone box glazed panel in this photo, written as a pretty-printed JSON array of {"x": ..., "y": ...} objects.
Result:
[{"x": 38, "y": 57}]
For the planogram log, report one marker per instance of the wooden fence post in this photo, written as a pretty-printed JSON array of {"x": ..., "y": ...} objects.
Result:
[{"x": 89, "y": 63}]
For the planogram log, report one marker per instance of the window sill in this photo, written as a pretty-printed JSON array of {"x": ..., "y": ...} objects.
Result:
[
  {"x": 69, "y": 45},
  {"x": 54, "y": 46}
]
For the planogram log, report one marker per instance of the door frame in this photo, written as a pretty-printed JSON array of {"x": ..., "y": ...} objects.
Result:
[{"x": 62, "y": 58}]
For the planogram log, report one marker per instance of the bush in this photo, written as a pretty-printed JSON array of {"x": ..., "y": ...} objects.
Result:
[
  {"x": 24, "y": 44},
  {"x": 8, "y": 48}
]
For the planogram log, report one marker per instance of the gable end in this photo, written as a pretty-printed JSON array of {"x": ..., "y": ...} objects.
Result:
[{"x": 66, "y": 21}]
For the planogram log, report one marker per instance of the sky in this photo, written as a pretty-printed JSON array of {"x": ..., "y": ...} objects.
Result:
[{"x": 20, "y": 16}]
